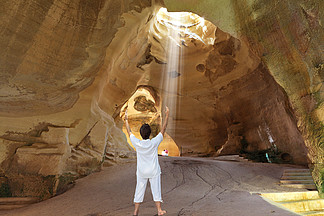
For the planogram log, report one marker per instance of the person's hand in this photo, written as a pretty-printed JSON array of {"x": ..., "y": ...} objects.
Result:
[
  {"x": 167, "y": 110},
  {"x": 126, "y": 115}
]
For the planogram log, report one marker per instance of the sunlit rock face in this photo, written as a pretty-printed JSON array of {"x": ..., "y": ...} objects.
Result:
[
  {"x": 222, "y": 85},
  {"x": 144, "y": 108},
  {"x": 288, "y": 37},
  {"x": 51, "y": 129},
  {"x": 69, "y": 68}
]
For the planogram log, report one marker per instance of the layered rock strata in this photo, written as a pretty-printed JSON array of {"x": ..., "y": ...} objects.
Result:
[
  {"x": 68, "y": 69},
  {"x": 52, "y": 57},
  {"x": 288, "y": 37}
]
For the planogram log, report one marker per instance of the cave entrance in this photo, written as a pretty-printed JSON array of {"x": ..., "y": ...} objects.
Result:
[{"x": 142, "y": 107}]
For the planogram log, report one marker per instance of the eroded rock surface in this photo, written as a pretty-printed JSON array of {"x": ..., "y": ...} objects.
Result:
[
  {"x": 67, "y": 69},
  {"x": 288, "y": 37},
  {"x": 52, "y": 59}
]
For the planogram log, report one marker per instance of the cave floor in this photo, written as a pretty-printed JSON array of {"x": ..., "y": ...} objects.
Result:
[{"x": 190, "y": 186}]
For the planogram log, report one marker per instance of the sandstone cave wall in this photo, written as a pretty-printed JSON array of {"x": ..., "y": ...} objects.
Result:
[
  {"x": 288, "y": 36},
  {"x": 68, "y": 68},
  {"x": 51, "y": 63},
  {"x": 222, "y": 85}
]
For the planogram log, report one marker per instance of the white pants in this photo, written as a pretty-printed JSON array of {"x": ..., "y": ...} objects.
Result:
[{"x": 155, "y": 183}]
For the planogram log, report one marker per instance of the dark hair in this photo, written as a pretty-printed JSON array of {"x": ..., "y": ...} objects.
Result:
[{"x": 145, "y": 131}]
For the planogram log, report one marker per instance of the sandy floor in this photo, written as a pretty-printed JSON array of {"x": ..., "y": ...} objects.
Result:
[{"x": 190, "y": 186}]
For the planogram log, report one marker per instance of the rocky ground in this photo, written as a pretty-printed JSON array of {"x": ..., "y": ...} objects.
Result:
[{"x": 190, "y": 186}]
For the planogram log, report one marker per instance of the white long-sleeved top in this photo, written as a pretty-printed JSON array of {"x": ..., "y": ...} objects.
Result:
[{"x": 147, "y": 156}]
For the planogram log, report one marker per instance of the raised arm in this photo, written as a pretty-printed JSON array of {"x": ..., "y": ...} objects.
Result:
[
  {"x": 127, "y": 125},
  {"x": 165, "y": 120}
]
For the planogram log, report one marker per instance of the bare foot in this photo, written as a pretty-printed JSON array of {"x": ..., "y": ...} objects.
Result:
[{"x": 162, "y": 212}]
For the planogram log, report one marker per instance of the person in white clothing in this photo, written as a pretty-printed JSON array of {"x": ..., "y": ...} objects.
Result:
[{"x": 148, "y": 167}]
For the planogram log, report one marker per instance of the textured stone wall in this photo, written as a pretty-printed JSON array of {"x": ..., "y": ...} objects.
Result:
[
  {"x": 288, "y": 37},
  {"x": 51, "y": 64},
  {"x": 67, "y": 68}
]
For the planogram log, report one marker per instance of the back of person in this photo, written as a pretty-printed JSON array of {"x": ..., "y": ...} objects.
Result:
[
  {"x": 148, "y": 168},
  {"x": 147, "y": 155}
]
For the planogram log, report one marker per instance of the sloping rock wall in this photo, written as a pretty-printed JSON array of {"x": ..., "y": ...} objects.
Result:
[
  {"x": 288, "y": 37},
  {"x": 67, "y": 68},
  {"x": 51, "y": 127}
]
